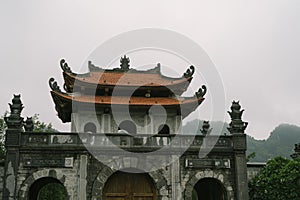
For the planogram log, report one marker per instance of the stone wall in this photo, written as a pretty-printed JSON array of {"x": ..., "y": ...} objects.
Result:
[
  {"x": 253, "y": 169},
  {"x": 190, "y": 176},
  {"x": 1, "y": 177},
  {"x": 68, "y": 176},
  {"x": 174, "y": 180}
]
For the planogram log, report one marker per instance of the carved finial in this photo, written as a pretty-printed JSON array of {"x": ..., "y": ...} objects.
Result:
[
  {"x": 28, "y": 124},
  {"x": 201, "y": 92},
  {"x": 236, "y": 125},
  {"x": 125, "y": 63},
  {"x": 53, "y": 85},
  {"x": 64, "y": 66},
  {"x": 16, "y": 107},
  {"x": 189, "y": 72},
  {"x": 236, "y": 112},
  {"x": 14, "y": 120},
  {"x": 206, "y": 130}
]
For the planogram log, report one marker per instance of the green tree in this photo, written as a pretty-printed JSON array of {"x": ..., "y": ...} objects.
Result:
[
  {"x": 40, "y": 126},
  {"x": 279, "y": 179},
  {"x": 53, "y": 191}
]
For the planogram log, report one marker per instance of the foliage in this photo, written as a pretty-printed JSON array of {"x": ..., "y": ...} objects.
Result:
[
  {"x": 53, "y": 191},
  {"x": 279, "y": 179},
  {"x": 40, "y": 126}
]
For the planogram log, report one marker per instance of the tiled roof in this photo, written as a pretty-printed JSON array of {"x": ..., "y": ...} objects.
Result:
[
  {"x": 138, "y": 101},
  {"x": 127, "y": 79}
]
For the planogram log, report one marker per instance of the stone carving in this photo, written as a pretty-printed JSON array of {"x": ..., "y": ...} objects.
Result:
[
  {"x": 236, "y": 125},
  {"x": 28, "y": 124},
  {"x": 62, "y": 139},
  {"x": 53, "y": 85},
  {"x": 125, "y": 63},
  {"x": 201, "y": 92},
  {"x": 204, "y": 163},
  {"x": 14, "y": 120},
  {"x": 236, "y": 112},
  {"x": 64, "y": 66},
  {"x": 189, "y": 72},
  {"x": 38, "y": 139},
  {"x": 206, "y": 130}
]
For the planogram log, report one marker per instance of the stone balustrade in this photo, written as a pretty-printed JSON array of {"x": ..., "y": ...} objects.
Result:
[{"x": 126, "y": 141}]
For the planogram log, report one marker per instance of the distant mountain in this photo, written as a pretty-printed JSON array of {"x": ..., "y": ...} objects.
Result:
[{"x": 280, "y": 142}]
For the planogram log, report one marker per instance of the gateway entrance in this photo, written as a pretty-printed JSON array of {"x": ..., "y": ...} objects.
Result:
[{"x": 129, "y": 186}]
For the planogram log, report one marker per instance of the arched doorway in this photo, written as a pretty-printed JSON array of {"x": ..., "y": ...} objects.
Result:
[
  {"x": 127, "y": 126},
  {"x": 47, "y": 188},
  {"x": 133, "y": 186},
  {"x": 163, "y": 129},
  {"x": 90, "y": 128},
  {"x": 209, "y": 189}
]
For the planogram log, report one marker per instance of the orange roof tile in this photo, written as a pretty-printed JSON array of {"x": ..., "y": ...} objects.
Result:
[
  {"x": 138, "y": 101},
  {"x": 128, "y": 79}
]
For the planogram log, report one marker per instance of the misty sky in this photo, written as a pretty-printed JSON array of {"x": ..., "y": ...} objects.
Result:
[{"x": 255, "y": 46}]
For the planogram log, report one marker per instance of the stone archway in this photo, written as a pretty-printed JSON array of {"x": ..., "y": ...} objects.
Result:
[
  {"x": 44, "y": 176},
  {"x": 126, "y": 185},
  {"x": 219, "y": 176},
  {"x": 47, "y": 187},
  {"x": 103, "y": 176},
  {"x": 209, "y": 189}
]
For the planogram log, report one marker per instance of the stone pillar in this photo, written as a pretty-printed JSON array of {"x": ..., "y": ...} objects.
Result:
[
  {"x": 175, "y": 178},
  {"x": 82, "y": 177},
  {"x": 237, "y": 128},
  {"x": 14, "y": 124},
  {"x": 240, "y": 165}
]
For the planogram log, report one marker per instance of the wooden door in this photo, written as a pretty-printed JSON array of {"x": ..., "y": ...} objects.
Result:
[{"x": 129, "y": 186}]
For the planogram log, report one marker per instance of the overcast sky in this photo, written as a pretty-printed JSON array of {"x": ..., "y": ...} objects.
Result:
[{"x": 255, "y": 46}]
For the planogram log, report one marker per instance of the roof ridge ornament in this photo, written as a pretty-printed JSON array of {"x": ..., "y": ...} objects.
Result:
[
  {"x": 65, "y": 67},
  {"x": 124, "y": 63},
  {"x": 53, "y": 85},
  {"x": 201, "y": 92},
  {"x": 206, "y": 130},
  {"x": 14, "y": 120},
  {"x": 236, "y": 125},
  {"x": 28, "y": 124},
  {"x": 189, "y": 72}
]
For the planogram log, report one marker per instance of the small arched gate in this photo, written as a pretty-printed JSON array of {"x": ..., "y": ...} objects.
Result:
[
  {"x": 209, "y": 189},
  {"x": 47, "y": 188}
]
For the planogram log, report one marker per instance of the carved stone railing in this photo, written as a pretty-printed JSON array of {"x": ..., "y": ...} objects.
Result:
[{"x": 32, "y": 139}]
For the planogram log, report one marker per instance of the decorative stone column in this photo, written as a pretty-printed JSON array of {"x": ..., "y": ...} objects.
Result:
[
  {"x": 237, "y": 128},
  {"x": 14, "y": 124}
]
